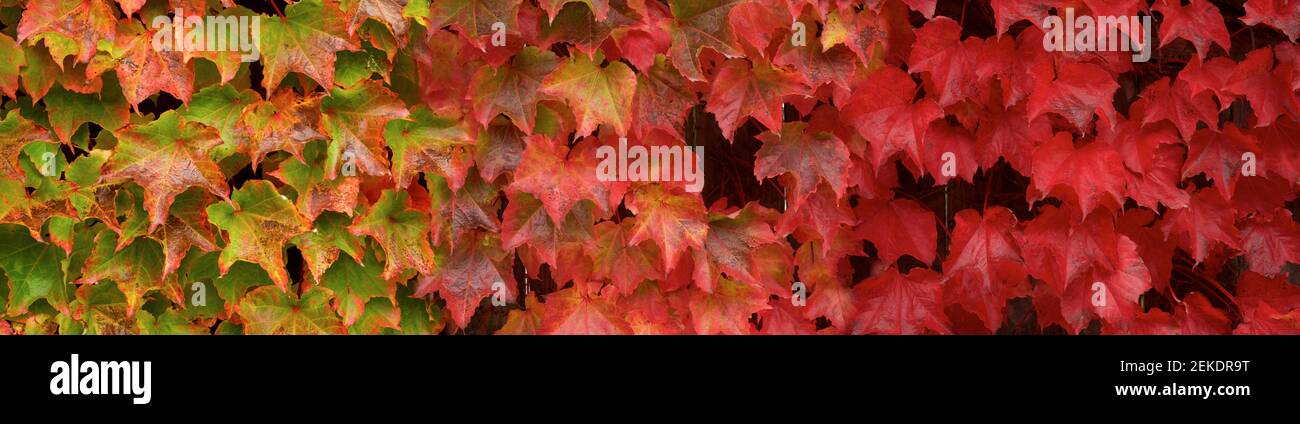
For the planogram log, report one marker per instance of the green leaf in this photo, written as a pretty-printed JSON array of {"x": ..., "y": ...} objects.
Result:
[
  {"x": 258, "y": 227},
  {"x": 269, "y": 310}
]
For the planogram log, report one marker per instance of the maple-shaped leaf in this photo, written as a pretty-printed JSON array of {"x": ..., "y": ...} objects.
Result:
[
  {"x": 33, "y": 270},
  {"x": 570, "y": 311},
  {"x": 69, "y": 27},
  {"x": 1266, "y": 88},
  {"x": 186, "y": 227},
  {"x": 1111, "y": 295},
  {"x": 744, "y": 89},
  {"x": 892, "y": 303},
  {"x": 559, "y": 183},
  {"x": 807, "y": 156},
  {"x": 221, "y": 107},
  {"x": 662, "y": 100},
  {"x": 526, "y": 321},
  {"x": 783, "y": 318},
  {"x": 285, "y": 122},
  {"x": 500, "y": 148},
  {"x": 1266, "y": 321},
  {"x": 1220, "y": 155},
  {"x": 599, "y": 7},
  {"x": 1281, "y": 14},
  {"x": 673, "y": 220},
  {"x": 597, "y": 95},
  {"x": 1179, "y": 105},
  {"x": 740, "y": 245},
  {"x": 1196, "y": 315},
  {"x": 1207, "y": 221},
  {"x": 822, "y": 213},
  {"x": 355, "y": 118},
  {"x": 137, "y": 269},
  {"x": 1060, "y": 248},
  {"x": 952, "y": 141},
  {"x": 1018, "y": 63},
  {"x": 470, "y": 273},
  {"x": 1199, "y": 22},
  {"x": 144, "y": 70},
  {"x": 402, "y": 232},
  {"x": 328, "y": 237},
  {"x": 832, "y": 300},
  {"x": 727, "y": 310},
  {"x": 949, "y": 61},
  {"x": 1007, "y": 134},
  {"x": 512, "y": 89},
  {"x": 984, "y": 268},
  {"x": 305, "y": 41},
  {"x": 1280, "y": 155},
  {"x": 883, "y": 112},
  {"x": 1270, "y": 242},
  {"x": 259, "y": 223},
  {"x": 315, "y": 194},
  {"x": 15, "y": 133},
  {"x": 625, "y": 264},
  {"x": 1008, "y": 12},
  {"x": 388, "y": 12},
  {"x": 424, "y": 142},
  {"x": 68, "y": 110},
  {"x": 819, "y": 65},
  {"x": 166, "y": 156},
  {"x": 354, "y": 283},
  {"x": 1079, "y": 91},
  {"x": 1093, "y": 174},
  {"x": 897, "y": 227},
  {"x": 525, "y": 222},
  {"x": 462, "y": 212},
  {"x": 9, "y": 69},
  {"x": 473, "y": 19},
  {"x": 270, "y": 310},
  {"x": 697, "y": 24}
]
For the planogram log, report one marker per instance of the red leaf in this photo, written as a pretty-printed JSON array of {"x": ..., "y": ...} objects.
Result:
[
  {"x": 984, "y": 268},
  {"x": 896, "y": 304},
  {"x": 756, "y": 90}
]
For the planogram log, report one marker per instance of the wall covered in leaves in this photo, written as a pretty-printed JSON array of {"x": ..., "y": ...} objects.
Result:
[{"x": 417, "y": 167}]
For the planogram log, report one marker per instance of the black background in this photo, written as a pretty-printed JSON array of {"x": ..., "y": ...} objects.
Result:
[{"x": 254, "y": 375}]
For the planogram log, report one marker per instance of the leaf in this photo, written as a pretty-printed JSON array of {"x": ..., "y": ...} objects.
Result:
[
  {"x": 1265, "y": 87},
  {"x": 892, "y": 303},
  {"x": 806, "y": 156},
  {"x": 286, "y": 122},
  {"x": 739, "y": 244},
  {"x": 1275, "y": 13},
  {"x": 270, "y": 310},
  {"x": 427, "y": 143},
  {"x": 355, "y": 119},
  {"x": 321, "y": 246},
  {"x": 137, "y": 269},
  {"x": 757, "y": 90},
  {"x": 34, "y": 271},
  {"x": 598, "y": 95},
  {"x": 1092, "y": 175},
  {"x": 1206, "y": 222},
  {"x": 559, "y": 183},
  {"x": 9, "y": 69},
  {"x": 882, "y": 111},
  {"x": 570, "y": 312},
  {"x": 1179, "y": 106},
  {"x": 623, "y": 263},
  {"x": 1220, "y": 155},
  {"x": 984, "y": 267},
  {"x": 698, "y": 24},
  {"x": 673, "y": 220},
  {"x": 469, "y": 275},
  {"x": 144, "y": 70},
  {"x": 1270, "y": 242},
  {"x": 69, "y": 27},
  {"x": 897, "y": 227},
  {"x": 403, "y": 234},
  {"x": 949, "y": 61},
  {"x": 512, "y": 89},
  {"x": 662, "y": 100},
  {"x": 354, "y": 283},
  {"x": 259, "y": 223},
  {"x": 315, "y": 194},
  {"x": 727, "y": 310},
  {"x": 166, "y": 157},
  {"x": 1079, "y": 91},
  {"x": 1199, "y": 22},
  {"x": 68, "y": 111},
  {"x": 305, "y": 41},
  {"x": 15, "y": 133},
  {"x": 473, "y": 19},
  {"x": 388, "y": 12}
]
